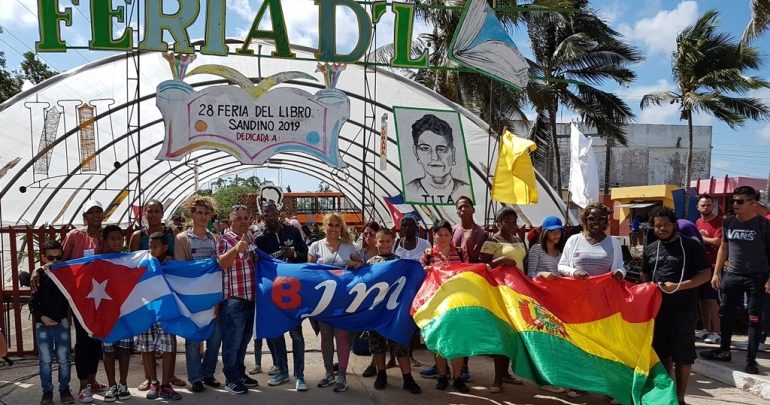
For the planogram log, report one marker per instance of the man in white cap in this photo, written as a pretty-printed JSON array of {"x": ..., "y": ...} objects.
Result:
[{"x": 82, "y": 242}]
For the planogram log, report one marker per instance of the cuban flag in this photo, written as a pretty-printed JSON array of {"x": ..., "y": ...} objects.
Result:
[
  {"x": 399, "y": 210},
  {"x": 197, "y": 289},
  {"x": 116, "y": 295}
]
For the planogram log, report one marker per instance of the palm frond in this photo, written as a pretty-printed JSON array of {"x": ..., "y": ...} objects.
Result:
[
  {"x": 658, "y": 98},
  {"x": 760, "y": 20}
]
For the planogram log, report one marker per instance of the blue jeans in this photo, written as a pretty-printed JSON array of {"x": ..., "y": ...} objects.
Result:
[
  {"x": 197, "y": 370},
  {"x": 298, "y": 352},
  {"x": 50, "y": 340},
  {"x": 258, "y": 351},
  {"x": 237, "y": 319}
]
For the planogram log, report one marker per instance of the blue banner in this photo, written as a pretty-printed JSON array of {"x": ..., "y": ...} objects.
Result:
[{"x": 376, "y": 297}]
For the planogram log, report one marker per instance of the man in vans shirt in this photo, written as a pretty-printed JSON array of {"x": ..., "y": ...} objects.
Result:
[{"x": 746, "y": 246}]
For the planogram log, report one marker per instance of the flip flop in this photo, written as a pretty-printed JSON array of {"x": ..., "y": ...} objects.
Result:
[{"x": 178, "y": 382}]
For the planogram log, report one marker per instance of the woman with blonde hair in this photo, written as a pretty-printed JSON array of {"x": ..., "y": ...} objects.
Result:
[{"x": 335, "y": 249}]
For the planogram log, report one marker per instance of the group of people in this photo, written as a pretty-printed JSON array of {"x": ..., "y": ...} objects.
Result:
[{"x": 677, "y": 263}]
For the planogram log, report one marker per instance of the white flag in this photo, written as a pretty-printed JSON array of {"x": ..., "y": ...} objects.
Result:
[{"x": 583, "y": 171}]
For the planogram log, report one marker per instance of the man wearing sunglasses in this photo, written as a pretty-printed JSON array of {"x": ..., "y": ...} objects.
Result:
[
  {"x": 746, "y": 247},
  {"x": 49, "y": 309}
]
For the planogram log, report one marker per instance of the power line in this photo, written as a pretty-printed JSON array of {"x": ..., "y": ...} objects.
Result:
[
  {"x": 5, "y": 29},
  {"x": 35, "y": 15}
]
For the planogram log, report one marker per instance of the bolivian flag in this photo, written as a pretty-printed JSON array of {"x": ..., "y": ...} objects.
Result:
[{"x": 593, "y": 335}]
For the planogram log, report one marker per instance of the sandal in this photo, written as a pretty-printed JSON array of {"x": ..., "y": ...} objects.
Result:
[
  {"x": 144, "y": 386},
  {"x": 176, "y": 381}
]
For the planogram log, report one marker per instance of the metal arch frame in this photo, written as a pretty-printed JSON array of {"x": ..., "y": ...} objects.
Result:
[
  {"x": 381, "y": 203},
  {"x": 78, "y": 167},
  {"x": 150, "y": 96},
  {"x": 356, "y": 96},
  {"x": 152, "y": 123}
]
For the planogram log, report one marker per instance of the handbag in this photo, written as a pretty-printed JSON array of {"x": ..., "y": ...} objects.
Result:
[{"x": 361, "y": 344}]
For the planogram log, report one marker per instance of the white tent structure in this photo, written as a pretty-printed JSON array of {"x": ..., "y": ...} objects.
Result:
[{"x": 50, "y": 185}]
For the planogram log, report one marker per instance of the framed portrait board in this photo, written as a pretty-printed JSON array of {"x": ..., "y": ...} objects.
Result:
[{"x": 434, "y": 161}]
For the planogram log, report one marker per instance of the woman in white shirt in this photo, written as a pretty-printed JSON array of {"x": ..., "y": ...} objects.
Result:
[
  {"x": 409, "y": 245},
  {"x": 592, "y": 253},
  {"x": 336, "y": 249}
]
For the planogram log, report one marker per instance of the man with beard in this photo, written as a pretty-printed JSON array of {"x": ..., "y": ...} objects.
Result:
[
  {"x": 284, "y": 242},
  {"x": 678, "y": 265},
  {"x": 710, "y": 227}
]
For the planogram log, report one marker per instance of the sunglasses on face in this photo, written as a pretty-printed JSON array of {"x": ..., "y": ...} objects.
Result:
[
  {"x": 54, "y": 258},
  {"x": 596, "y": 219},
  {"x": 739, "y": 201},
  {"x": 238, "y": 207}
]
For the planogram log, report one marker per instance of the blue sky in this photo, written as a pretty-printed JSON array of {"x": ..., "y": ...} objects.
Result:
[{"x": 650, "y": 25}]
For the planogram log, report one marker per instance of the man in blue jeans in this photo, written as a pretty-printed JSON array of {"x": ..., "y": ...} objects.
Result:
[
  {"x": 199, "y": 243},
  {"x": 49, "y": 309},
  {"x": 236, "y": 315},
  {"x": 746, "y": 247},
  {"x": 284, "y": 243}
]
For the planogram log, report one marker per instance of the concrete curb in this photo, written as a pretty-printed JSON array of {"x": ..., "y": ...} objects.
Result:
[{"x": 758, "y": 385}]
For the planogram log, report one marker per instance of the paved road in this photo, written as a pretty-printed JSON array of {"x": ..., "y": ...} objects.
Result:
[{"x": 20, "y": 385}]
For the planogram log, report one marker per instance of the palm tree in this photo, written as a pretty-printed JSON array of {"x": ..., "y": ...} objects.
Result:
[
  {"x": 498, "y": 105},
  {"x": 708, "y": 68},
  {"x": 574, "y": 53},
  {"x": 574, "y": 50},
  {"x": 760, "y": 20}
]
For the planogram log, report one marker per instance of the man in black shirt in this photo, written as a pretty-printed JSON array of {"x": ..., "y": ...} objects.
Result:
[
  {"x": 678, "y": 265},
  {"x": 746, "y": 247},
  {"x": 284, "y": 243}
]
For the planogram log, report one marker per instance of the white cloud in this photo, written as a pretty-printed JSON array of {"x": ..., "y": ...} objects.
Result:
[
  {"x": 22, "y": 13},
  {"x": 242, "y": 8},
  {"x": 764, "y": 133},
  {"x": 612, "y": 12},
  {"x": 303, "y": 26},
  {"x": 658, "y": 33}
]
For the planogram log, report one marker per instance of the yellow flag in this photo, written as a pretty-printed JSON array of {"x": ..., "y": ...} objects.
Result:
[{"x": 514, "y": 181}]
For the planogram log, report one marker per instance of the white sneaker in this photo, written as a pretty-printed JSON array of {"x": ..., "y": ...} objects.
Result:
[
  {"x": 274, "y": 370},
  {"x": 701, "y": 333},
  {"x": 712, "y": 338}
]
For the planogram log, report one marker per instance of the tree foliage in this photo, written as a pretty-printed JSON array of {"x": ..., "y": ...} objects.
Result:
[
  {"x": 575, "y": 52},
  {"x": 10, "y": 82},
  {"x": 35, "y": 70},
  {"x": 231, "y": 192},
  {"x": 709, "y": 69},
  {"x": 760, "y": 20}
]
